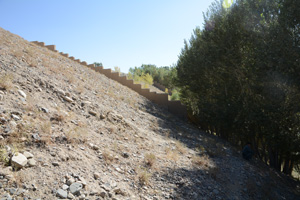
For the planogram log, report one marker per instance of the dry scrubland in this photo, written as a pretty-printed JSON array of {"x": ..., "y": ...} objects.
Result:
[{"x": 85, "y": 136}]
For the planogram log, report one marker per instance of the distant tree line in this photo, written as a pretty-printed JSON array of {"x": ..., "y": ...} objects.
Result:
[
  {"x": 162, "y": 75},
  {"x": 240, "y": 77},
  {"x": 98, "y": 64}
]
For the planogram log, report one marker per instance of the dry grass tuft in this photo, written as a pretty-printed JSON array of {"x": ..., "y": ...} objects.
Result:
[
  {"x": 171, "y": 154},
  {"x": 150, "y": 159},
  {"x": 202, "y": 161},
  {"x": 108, "y": 156},
  {"x": 77, "y": 134},
  {"x": 143, "y": 176},
  {"x": 58, "y": 118},
  {"x": 6, "y": 81},
  {"x": 180, "y": 147},
  {"x": 45, "y": 128},
  {"x": 4, "y": 157}
]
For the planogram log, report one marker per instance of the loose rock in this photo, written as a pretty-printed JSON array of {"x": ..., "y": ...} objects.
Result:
[
  {"x": 27, "y": 154},
  {"x": 68, "y": 99},
  {"x": 22, "y": 93},
  {"x": 31, "y": 162},
  {"x": 75, "y": 188},
  {"x": 61, "y": 193},
  {"x": 92, "y": 112},
  {"x": 18, "y": 160}
]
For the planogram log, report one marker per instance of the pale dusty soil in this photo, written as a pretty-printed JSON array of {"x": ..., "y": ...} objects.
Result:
[{"x": 139, "y": 149}]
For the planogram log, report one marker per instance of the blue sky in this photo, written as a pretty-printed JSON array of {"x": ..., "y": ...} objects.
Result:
[{"x": 123, "y": 33}]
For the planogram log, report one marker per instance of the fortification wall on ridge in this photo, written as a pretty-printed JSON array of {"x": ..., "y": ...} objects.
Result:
[{"x": 175, "y": 107}]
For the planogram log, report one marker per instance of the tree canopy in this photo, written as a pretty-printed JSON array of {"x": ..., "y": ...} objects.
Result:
[{"x": 240, "y": 76}]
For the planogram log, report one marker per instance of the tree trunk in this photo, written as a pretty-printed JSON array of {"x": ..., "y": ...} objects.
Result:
[
  {"x": 288, "y": 166},
  {"x": 274, "y": 159}
]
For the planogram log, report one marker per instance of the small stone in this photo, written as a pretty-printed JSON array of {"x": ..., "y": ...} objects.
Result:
[
  {"x": 12, "y": 191},
  {"x": 65, "y": 187},
  {"x": 70, "y": 181},
  {"x": 22, "y": 93},
  {"x": 70, "y": 196},
  {"x": 125, "y": 155},
  {"x": 94, "y": 147},
  {"x": 118, "y": 169},
  {"x": 75, "y": 188},
  {"x": 18, "y": 160},
  {"x": 102, "y": 116},
  {"x": 91, "y": 112},
  {"x": 61, "y": 92},
  {"x": 27, "y": 154},
  {"x": 3, "y": 120},
  {"x": 106, "y": 187},
  {"x": 52, "y": 153},
  {"x": 96, "y": 175},
  {"x": 31, "y": 162},
  {"x": 1, "y": 97},
  {"x": 82, "y": 180},
  {"x": 102, "y": 193},
  {"x": 36, "y": 137},
  {"x": 55, "y": 164},
  {"x": 68, "y": 99},
  {"x": 85, "y": 103},
  {"x": 15, "y": 117},
  {"x": 45, "y": 110},
  {"x": 94, "y": 192},
  {"x": 119, "y": 191},
  {"x": 61, "y": 193},
  {"x": 34, "y": 187}
]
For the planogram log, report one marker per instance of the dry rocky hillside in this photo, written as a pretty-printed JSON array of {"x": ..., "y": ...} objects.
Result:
[{"x": 67, "y": 132}]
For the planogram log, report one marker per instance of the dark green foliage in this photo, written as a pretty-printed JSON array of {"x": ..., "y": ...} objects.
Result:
[{"x": 241, "y": 77}]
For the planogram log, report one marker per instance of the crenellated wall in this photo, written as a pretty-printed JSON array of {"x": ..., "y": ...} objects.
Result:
[{"x": 174, "y": 107}]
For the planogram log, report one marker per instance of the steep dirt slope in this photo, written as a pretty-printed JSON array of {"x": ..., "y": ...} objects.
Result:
[{"x": 92, "y": 138}]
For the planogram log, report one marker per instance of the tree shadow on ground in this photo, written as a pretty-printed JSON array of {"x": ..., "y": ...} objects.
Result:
[{"x": 213, "y": 182}]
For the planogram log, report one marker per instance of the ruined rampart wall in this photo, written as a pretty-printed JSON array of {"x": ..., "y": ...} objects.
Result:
[{"x": 174, "y": 107}]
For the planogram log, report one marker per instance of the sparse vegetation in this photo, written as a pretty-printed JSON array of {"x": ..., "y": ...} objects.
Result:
[
  {"x": 180, "y": 147},
  {"x": 108, "y": 156},
  {"x": 45, "y": 128},
  {"x": 171, "y": 154},
  {"x": 4, "y": 157},
  {"x": 201, "y": 161},
  {"x": 143, "y": 176},
  {"x": 6, "y": 81},
  {"x": 150, "y": 159},
  {"x": 77, "y": 134}
]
